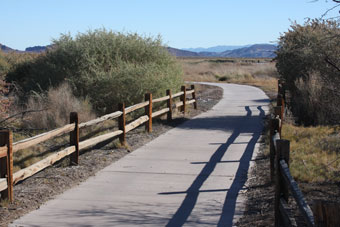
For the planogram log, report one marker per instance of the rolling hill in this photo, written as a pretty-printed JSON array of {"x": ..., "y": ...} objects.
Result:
[
  {"x": 216, "y": 49},
  {"x": 6, "y": 49},
  {"x": 182, "y": 53},
  {"x": 253, "y": 51}
]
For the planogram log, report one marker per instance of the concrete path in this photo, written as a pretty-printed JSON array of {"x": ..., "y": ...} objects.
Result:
[{"x": 193, "y": 175}]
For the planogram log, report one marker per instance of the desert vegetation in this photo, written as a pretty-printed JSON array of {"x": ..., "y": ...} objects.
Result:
[
  {"x": 101, "y": 66},
  {"x": 257, "y": 72},
  {"x": 8, "y": 61},
  {"x": 314, "y": 152},
  {"x": 89, "y": 74},
  {"x": 308, "y": 60}
]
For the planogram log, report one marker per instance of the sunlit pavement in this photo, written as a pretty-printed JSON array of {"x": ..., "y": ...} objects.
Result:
[{"x": 193, "y": 175}]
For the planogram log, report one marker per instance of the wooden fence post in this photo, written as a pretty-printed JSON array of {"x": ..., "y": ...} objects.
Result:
[
  {"x": 280, "y": 103},
  {"x": 279, "y": 100},
  {"x": 282, "y": 152},
  {"x": 121, "y": 124},
  {"x": 278, "y": 113},
  {"x": 6, "y": 164},
  {"x": 169, "y": 104},
  {"x": 183, "y": 99},
  {"x": 148, "y": 112},
  {"x": 326, "y": 214},
  {"x": 194, "y": 96},
  {"x": 74, "y": 138},
  {"x": 274, "y": 127}
]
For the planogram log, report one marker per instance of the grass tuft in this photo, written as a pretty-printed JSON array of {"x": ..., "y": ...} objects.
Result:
[{"x": 315, "y": 152}]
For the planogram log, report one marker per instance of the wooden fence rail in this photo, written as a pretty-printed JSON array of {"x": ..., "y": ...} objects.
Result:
[
  {"x": 8, "y": 179},
  {"x": 285, "y": 185}
]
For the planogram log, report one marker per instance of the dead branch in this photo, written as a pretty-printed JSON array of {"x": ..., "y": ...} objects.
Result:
[
  {"x": 329, "y": 61},
  {"x": 22, "y": 114}
]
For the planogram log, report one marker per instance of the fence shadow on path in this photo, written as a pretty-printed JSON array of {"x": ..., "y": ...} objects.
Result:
[{"x": 237, "y": 125}]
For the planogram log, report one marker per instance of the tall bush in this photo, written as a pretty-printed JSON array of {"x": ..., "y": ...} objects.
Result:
[
  {"x": 104, "y": 66},
  {"x": 308, "y": 59},
  {"x": 3, "y": 65}
]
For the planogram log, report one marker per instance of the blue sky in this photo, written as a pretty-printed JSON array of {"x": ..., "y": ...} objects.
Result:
[{"x": 181, "y": 23}]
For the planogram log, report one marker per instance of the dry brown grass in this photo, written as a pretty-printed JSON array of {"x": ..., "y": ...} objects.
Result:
[
  {"x": 53, "y": 110},
  {"x": 257, "y": 72},
  {"x": 315, "y": 152},
  {"x": 56, "y": 106}
]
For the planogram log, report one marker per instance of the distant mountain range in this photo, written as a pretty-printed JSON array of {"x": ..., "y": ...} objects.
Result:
[
  {"x": 34, "y": 49},
  {"x": 6, "y": 49},
  {"x": 37, "y": 49},
  {"x": 248, "y": 51},
  {"x": 214, "y": 48}
]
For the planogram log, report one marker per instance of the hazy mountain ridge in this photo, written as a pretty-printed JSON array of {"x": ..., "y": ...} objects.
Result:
[
  {"x": 6, "y": 49},
  {"x": 37, "y": 49},
  {"x": 34, "y": 49},
  {"x": 248, "y": 51},
  {"x": 253, "y": 51},
  {"x": 181, "y": 53},
  {"x": 217, "y": 49}
]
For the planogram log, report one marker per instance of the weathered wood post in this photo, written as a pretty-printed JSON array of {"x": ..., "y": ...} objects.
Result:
[
  {"x": 148, "y": 112},
  {"x": 74, "y": 138},
  {"x": 281, "y": 189},
  {"x": 326, "y": 214},
  {"x": 282, "y": 88},
  {"x": 277, "y": 111},
  {"x": 121, "y": 124},
  {"x": 274, "y": 125},
  {"x": 194, "y": 96},
  {"x": 169, "y": 105},
  {"x": 279, "y": 86},
  {"x": 281, "y": 103},
  {"x": 183, "y": 99},
  {"x": 6, "y": 164},
  {"x": 278, "y": 114}
]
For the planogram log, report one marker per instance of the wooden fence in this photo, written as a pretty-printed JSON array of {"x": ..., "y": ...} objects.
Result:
[
  {"x": 8, "y": 179},
  {"x": 285, "y": 185}
]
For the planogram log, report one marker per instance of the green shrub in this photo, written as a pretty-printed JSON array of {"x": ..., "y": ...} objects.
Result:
[
  {"x": 308, "y": 60},
  {"x": 3, "y": 65},
  {"x": 104, "y": 66}
]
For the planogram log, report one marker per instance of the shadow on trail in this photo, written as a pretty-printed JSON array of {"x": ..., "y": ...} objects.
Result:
[
  {"x": 240, "y": 179},
  {"x": 246, "y": 124}
]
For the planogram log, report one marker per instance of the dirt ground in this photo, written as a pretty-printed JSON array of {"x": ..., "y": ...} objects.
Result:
[{"x": 34, "y": 191}]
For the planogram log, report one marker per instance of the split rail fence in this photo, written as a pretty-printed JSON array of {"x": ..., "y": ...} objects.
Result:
[
  {"x": 325, "y": 214},
  {"x": 8, "y": 179}
]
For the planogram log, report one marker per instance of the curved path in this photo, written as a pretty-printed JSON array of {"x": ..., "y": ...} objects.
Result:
[{"x": 193, "y": 175}]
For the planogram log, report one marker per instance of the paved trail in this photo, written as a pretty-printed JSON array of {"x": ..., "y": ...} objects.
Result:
[{"x": 193, "y": 175}]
